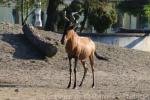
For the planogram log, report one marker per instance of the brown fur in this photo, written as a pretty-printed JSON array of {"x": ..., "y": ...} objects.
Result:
[{"x": 79, "y": 48}]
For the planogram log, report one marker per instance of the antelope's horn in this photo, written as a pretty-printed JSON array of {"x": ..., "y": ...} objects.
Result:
[{"x": 67, "y": 18}]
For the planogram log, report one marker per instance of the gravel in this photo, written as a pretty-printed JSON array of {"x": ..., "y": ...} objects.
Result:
[{"x": 25, "y": 74}]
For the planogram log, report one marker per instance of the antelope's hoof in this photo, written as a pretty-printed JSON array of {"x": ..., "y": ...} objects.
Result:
[
  {"x": 68, "y": 86},
  {"x": 93, "y": 86},
  {"x": 75, "y": 88},
  {"x": 80, "y": 85}
]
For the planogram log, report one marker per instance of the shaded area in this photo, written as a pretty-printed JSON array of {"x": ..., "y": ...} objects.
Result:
[
  {"x": 23, "y": 48},
  {"x": 7, "y": 85},
  {"x": 135, "y": 42},
  {"x": 46, "y": 47},
  {"x": 125, "y": 30},
  {"x": 3, "y": 85}
]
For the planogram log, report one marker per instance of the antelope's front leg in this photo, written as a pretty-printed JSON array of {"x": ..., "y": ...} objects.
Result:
[{"x": 70, "y": 71}]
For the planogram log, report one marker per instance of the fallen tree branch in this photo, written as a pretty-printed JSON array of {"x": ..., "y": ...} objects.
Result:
[{"x": 44, "y": 46}]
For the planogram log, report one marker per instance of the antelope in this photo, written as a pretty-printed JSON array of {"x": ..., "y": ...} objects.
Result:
[{"x": 79, "y": 48}]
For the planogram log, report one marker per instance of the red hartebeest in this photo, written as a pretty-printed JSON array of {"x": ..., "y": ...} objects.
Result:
[{"x": 79, "y": 48}]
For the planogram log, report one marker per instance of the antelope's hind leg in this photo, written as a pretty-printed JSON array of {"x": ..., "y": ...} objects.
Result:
[
  {"x": 75, "y": 70},
  {"x": 85, "y": 71},
  {"x": 92, "y": 67},
  {"x": 70, "y": 71}
]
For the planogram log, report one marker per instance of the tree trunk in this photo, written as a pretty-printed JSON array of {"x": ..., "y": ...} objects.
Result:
[
  {"x": 22, "y": 11},
  {"x": 86, "y": 7},
  {"x": 83, "y": 22},
  {"x": 52, "y": 15}
]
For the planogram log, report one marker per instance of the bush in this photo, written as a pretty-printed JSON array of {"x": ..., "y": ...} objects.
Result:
[{"x": 101, "y": 16}]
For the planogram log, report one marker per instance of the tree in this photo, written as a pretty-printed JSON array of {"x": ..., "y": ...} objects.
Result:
[
  {"x": 133, "y": 7},
  {"x": 21, "y": 11},
  {"x": 99, "y": 14},
  {"x": 52, "y": 15},
  {"x": 75, "y": 6},
  {"x": 24, "y": 6},
  {"x": 20, "y": 5},
  {"x": 1, "y": 1},
  {"x": 28, "y": 6},
  {"x": 137, "y": 8},
  {"x": 147, "y": 9},
  {"x": 5, "y": 2}
]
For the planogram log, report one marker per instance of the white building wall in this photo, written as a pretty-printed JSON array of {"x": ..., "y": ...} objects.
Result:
[
  {"x": 140, "y": 43},
  {"x": 133, "y": 22}
]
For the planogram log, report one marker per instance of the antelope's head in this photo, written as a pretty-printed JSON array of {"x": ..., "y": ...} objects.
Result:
[{"x": 69, "y": 25}]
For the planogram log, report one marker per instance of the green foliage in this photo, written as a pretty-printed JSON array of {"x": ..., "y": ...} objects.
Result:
[
  {"x": 28, "y": 4},
  {"x": 44, "y": 4},
  {"x": 101, "y": 15},
  {"x": 1, "y": 1},
  {"x": 132, "y": 7},
  {"x": 147, "y": 9},
  {"x": 4, "y": 1},
  {"x": 75, "y": 6}
]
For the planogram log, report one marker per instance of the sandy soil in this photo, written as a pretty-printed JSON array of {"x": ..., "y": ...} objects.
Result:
[{"x": 25, "y": 74}]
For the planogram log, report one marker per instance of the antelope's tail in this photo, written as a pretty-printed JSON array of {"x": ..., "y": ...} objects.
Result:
[{"x": 100, "y": 57}]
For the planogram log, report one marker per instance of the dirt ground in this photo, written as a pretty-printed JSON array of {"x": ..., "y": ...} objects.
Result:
[{"x": 25, "y": 74}]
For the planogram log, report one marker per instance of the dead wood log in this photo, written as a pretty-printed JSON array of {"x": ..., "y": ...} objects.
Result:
[{"x": 47, "y": 48}]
